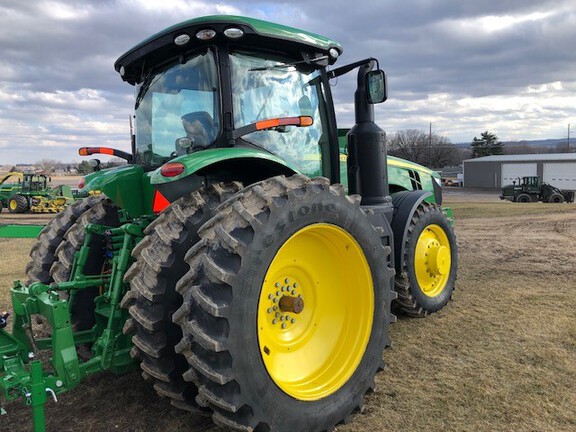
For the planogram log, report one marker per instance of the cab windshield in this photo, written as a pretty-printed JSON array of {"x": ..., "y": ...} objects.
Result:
[
  {"x": 264, "y": 87},
  {"x": 177, "y": 110}
]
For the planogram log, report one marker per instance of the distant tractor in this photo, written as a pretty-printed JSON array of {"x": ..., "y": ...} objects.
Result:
[
  {"x": 529, "y": 189},
  {"x": 242, "y": 258},
  {"x": 31, "y": 193}
]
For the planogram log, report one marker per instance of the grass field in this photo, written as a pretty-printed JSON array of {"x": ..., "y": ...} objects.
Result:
[{"x": 500, "y": 357}]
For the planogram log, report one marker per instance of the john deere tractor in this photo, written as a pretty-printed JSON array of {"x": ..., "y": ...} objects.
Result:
[
  {"x": 530, "y": 189},
  {"x": 250, "y": 279},
  {"x": 33, "y": 194}
]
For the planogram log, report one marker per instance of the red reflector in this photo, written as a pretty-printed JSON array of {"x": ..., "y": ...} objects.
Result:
[
  {"x": 159, "y": 203},
  {"x": 172, "y": 169},
  {"x": 81, "y": 183}
]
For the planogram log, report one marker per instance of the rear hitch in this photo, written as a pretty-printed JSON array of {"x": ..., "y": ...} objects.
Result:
[{"x": 25, "y": 378}]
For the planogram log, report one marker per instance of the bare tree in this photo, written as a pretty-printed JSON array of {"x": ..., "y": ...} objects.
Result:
[
  {"x": 47, "y": 165},
  {"x": 562, "y": 147},
  {"x": 431, "y": 150}
]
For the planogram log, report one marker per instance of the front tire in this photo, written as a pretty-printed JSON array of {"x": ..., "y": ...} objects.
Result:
[
  {"x": 429, "y": 264},
  {"x": 524, "y": 198},
  {"x": 286, "y": 307}
]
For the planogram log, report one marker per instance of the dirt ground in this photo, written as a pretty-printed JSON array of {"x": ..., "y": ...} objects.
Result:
[{"x": 500, "y": 357}]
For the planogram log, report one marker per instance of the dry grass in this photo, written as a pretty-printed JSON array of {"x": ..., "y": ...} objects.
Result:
[
  {"x": 500, "y": 357},
  {"x": 13, "y": 260}
]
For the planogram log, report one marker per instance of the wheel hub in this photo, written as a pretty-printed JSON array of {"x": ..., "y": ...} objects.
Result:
[
  {"x": 284, "y": 302},
  {"x": 432, "y": 260},
  {"x": 315, "y": 311},
  {"x": 439, "y": 259}
]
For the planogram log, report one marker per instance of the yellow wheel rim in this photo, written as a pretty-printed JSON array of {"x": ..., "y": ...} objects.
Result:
[
  {"x": 432, "y": 260},
  {"x": 13, "y": 204},
  {"x": 315, "y": 312}
]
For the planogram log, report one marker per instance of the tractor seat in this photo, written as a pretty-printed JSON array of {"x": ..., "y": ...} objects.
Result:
[{"x": 200, "y": 128}]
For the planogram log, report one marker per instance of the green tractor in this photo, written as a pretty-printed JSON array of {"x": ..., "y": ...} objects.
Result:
[
  {"x": 32, "y": 193},
  {"x": 231, "y": 259},
  {"x": 529, "y": 189}
]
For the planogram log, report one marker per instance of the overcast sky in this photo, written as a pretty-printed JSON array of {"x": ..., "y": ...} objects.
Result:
[{"x": 507, "y": 66}]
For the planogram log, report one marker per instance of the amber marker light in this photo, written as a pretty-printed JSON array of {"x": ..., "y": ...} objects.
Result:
[
  {"x": 285, "y": 121},
  {"x": 172, "y": 169},
  {"x": 87, "y": 151}
]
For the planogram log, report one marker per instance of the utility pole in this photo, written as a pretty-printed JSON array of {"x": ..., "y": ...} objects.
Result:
[
  {"x": 430, "y": 147},
  {"x": 568, "y": 149}
]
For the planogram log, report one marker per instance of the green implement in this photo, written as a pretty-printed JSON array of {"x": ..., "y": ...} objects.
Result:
[{"x": 20, "y": 231}]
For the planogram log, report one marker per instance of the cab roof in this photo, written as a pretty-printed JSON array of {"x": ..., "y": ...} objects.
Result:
[{"x": 257, "y": 34}]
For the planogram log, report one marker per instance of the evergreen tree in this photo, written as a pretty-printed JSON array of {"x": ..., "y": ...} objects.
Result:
[
  {"x": 85, "y": 168},
  {"x": 486, "y": 145}
]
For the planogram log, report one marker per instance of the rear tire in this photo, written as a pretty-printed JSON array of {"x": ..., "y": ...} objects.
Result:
[
  {"x": 18, "y": 204},
  {"x": 152, "y": 299},
  {"x": 102, "y": 212},
  {"x": 239, "y": 351},
  {"x": 429, "y": 265},
  {"x": 43, "y": 253},
  {"x": 556, "y": 198}
]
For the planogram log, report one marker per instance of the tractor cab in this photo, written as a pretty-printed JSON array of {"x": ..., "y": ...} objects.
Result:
[
  {"x": 238, "y": 98},
  {"x": 34, "y": 182},
  {"x": 530, "y": 182},
  {"x": 211, "y": 83}
]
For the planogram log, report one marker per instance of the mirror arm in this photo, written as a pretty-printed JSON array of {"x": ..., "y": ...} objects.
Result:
[{"x": 347, "y": 68}]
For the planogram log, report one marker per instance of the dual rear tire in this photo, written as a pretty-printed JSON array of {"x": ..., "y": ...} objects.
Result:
[{"x": 281, "y": 313}]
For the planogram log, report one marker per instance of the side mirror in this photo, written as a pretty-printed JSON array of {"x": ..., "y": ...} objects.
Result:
[
  {"x": 376, "y": 87},
  {"x": 95, "y": 164}
]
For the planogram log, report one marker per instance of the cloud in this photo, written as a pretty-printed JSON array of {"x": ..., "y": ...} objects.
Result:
[{"x": 503, "y": 66}]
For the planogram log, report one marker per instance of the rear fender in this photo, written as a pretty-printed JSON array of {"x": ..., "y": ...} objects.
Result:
[
  {"x": 128, "y": 186},
  {"x": 221, "y": 164},
  {"x": 405, "y": 204}
]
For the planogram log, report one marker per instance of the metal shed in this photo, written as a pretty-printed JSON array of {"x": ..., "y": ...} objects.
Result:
[{"x": 557, "y": 169}]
